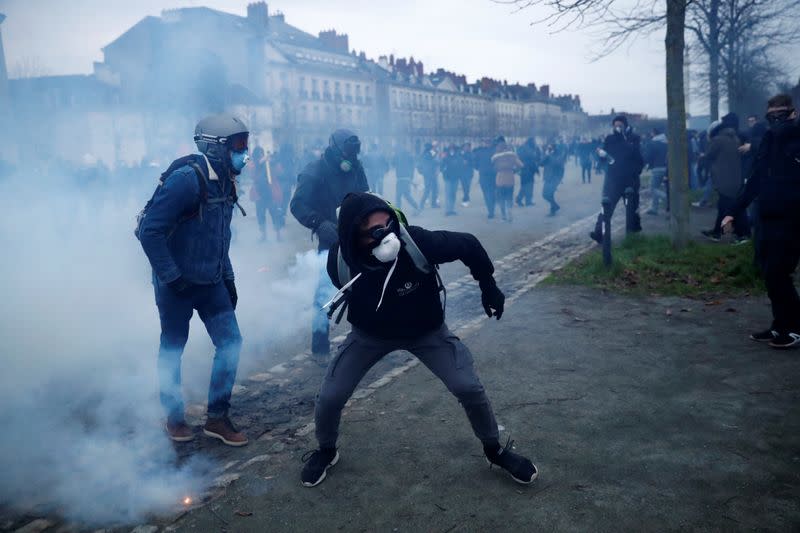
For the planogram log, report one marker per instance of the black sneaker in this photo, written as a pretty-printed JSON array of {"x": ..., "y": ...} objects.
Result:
[
  {"x": 785, "y": 340},
  {"x": 765, "y": 336},
  {"x": 317, "y": 464},
  {"x": 711, "y": 235},
  {"x": 520, "y": 468}
]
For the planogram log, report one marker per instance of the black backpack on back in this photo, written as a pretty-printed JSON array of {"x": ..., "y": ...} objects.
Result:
[{"x": 198, "y": 163}]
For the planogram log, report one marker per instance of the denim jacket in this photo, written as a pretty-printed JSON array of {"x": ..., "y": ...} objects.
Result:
[{"x": 182, "y": 237}]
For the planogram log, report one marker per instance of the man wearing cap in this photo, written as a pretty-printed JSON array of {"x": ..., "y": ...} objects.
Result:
[{"x": 321, "y": 186}]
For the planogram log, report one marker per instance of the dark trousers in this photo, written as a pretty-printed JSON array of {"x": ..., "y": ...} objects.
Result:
[
  {"x": 615, "y": 193},
  {"x": 376, "y": 184},
  {"x": 505, "y": 197},
  {"x": 450, "y": 190},
  {"x": 213, "y": 305},
  {"x": 549, "y": 194},
  {"x": 781, "y": 256},
  {"x": 275, "y": 213},
  {"x": 586, "y": 173},
  {"x": 403, "y": 190},
  {"x": 441, "y": 351},
  {"x": 741, "y": 225},
  {"x": 431, "y": 191},
  {"x": 466, "y": 185},
  {"x": 525, "y": 194},
  {"x": 487, "y": 184}
]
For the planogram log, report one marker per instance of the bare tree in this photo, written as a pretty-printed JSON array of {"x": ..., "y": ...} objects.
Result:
[
  {"x": 618, "y": 24},
  {"x": 28, "y": 67}
]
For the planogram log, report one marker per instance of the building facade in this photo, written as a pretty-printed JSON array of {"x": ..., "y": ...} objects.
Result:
[{"x": 157, "y": 79}]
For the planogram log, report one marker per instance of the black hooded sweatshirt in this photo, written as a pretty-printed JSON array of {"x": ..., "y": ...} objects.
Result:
[
  {"x": 411, "y": 306},
  {"x": 775, "y": 181},
  {"x": 321, "y": 186}
]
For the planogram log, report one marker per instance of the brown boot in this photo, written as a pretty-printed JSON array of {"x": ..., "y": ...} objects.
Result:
[
  {"x": 179, "y": 431},
  {"x": 222, "y": 429}
]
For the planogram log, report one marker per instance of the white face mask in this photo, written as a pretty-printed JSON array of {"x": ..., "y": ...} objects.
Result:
[{"x": 387, "y": 250}]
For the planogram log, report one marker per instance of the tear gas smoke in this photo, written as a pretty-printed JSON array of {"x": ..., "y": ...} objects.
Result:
[{"x": 82, "y": 434}]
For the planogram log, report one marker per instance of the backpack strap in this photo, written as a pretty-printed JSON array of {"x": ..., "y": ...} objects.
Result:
[{"x": 419, "y": 259}]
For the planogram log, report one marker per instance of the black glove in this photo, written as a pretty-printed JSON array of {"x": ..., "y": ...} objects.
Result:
[
  {"x": 180, "y": 286},
  {"x": 492, "y": 298},
  {"x": 231, "y": 286},
  {"x": 328, "y": 234}
]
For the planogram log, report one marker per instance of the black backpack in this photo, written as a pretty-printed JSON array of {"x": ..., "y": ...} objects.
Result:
[{"x": 198, "y": 164}]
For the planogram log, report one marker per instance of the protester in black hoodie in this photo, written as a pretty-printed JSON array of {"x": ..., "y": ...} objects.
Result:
[
  {"x": 622, "y": 152},
  {"x": 775, "y": 182},
  {"x": 321, "y": 186},
  {"x": 394, "y": 304}
]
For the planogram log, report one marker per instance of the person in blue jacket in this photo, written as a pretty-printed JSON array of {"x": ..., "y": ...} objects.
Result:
[{"x": 185, "y": 233}]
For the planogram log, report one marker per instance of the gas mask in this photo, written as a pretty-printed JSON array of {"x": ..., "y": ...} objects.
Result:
[
  {"x": 388, "y": 244},
  {"x": 239, "y": 160}
]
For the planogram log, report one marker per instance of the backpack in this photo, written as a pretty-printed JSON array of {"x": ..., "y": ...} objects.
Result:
[
  {"x": 411, "y": 248},
  {"x": 195, "y": 162}
]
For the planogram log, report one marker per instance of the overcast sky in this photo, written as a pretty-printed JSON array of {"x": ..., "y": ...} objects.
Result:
[{"x": 473, "y": 37}]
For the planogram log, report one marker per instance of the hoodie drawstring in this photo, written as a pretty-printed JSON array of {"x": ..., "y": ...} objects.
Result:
[{"x": 386, "y": 283}]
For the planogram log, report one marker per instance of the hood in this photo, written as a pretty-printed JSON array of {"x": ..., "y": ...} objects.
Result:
[
  {"x": 731, "y": 120},
  {"x": 356, "y": 206},
  {"x": 728, "y": 132},
  {"x": 621, "y": 118}
]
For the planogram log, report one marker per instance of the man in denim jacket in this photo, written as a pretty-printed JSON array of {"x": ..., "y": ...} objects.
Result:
[{"x": 185, "y": 232}]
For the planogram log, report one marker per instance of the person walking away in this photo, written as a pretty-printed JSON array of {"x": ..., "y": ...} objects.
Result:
[
  {"x": 404, "y": 170},
  {"x": 321, "y": 187},
  {"x": 622, "y": 153},
  {"x": 428, "y": 166},
  {"x": 486, "y": 173},
  {"x": 375, "y": 166},
  {"x": 185, "y": 232},
  {"x": 506, "y": 164},
  {"x": 585, "y": 150},
  {"x": 553, "y": 163},
  {"x": 775, "y": 182},
  {"x": 454, "y": 167},
  {"x": 393, "y": 303},
  {"x": 469, "y": 171},
  {"x": 725, "y": 165},
  {"x": 530, "y": 155},
  {"x": 656, "y": 159}
]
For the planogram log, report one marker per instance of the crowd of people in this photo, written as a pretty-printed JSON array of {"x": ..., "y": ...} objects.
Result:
[{"x": 382, "y": 271}]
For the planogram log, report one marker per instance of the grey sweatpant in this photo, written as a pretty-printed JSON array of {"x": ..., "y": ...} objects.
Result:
[{"x": 441, "y": 351}]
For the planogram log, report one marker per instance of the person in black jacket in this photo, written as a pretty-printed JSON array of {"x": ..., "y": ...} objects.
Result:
[
  {"x": 621, "y": 151},
  {"x": 775, "y": 181},
  {"x": 482, "y": 159},
  {"x": 531, "y": 156},
  {"x": 394, "y": 304},
  {"x": 321, "y": 186}
]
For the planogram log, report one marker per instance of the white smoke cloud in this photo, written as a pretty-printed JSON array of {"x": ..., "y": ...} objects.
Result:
[{"x": 81, "y": 420}]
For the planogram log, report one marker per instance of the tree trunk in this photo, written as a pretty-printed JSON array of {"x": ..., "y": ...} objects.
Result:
[
  {"x": 676, "y": 125},
  {"x": 714, "y": 51}
]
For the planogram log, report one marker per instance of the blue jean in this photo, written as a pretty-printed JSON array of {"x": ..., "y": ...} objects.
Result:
[
  {"x": 323, "y": 294},
  {"x": 213, "y": 305}
]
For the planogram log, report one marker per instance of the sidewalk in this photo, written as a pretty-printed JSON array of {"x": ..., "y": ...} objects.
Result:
[{"x": 642, "y": 414}]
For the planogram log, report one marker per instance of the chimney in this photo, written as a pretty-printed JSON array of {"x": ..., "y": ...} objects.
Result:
[
  {"x": 335, "y": 42},
  {"x": 420, "y": 69},
  {"x": 258, "y": 15},
  {"x": 391, "y": 59}
]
